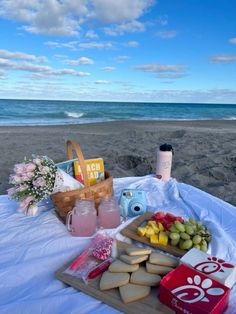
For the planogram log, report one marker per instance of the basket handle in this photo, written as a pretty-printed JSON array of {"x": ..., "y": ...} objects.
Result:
[{"x": 70, "y": 145}]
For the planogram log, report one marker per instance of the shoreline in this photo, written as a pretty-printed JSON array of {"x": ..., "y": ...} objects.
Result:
[{"x": 205, "y": 150}]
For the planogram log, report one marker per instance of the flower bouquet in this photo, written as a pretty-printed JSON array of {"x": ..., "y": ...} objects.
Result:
[{"x": 35, "y": 179}]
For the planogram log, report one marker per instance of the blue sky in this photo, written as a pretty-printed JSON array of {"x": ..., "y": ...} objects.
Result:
[{"x": 126, "y": 50}]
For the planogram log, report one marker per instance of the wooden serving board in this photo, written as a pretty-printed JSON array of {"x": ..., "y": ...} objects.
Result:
[
  {"x": 130, "y": 231},
  {"x": 150, "y": 304}
]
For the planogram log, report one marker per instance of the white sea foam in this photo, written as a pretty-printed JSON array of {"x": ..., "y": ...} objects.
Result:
[
  {"x": 231, "y": 118},
  {"x": 73, "y": 114}
]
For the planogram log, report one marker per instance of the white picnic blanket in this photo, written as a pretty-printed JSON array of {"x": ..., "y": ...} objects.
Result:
[{"x": 33, "y": 248}]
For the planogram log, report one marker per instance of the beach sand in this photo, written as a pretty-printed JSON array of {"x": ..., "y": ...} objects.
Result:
[{"x": 205, "y": 151}]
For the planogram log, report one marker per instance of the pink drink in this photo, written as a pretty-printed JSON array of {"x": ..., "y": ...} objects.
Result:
[
  {"x": 109, "y": 213},
  {"x": 82, "y": 220}
]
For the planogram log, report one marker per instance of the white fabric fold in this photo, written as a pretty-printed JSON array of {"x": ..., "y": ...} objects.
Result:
[{"x": 33, "y": 248}]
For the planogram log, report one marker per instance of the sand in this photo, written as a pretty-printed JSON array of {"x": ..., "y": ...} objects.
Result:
[{"x": 205, "y": 151}]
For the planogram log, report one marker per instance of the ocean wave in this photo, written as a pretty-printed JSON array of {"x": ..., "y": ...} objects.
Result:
[
  {"x": 231, "y": 118},
  {"x": 73, "y": 114}
]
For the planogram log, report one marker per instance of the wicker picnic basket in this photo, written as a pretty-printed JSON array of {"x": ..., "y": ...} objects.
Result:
[{"x": 65, "y": 201}]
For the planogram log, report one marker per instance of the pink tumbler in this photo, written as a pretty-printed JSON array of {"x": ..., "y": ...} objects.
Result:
[{"x": 164, "y": 162}]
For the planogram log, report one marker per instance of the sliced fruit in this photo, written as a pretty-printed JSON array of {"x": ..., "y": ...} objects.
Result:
[{"x": 163, "y": 238}]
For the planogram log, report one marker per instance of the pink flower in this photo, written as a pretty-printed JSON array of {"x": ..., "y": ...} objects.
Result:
[
  {"x": 37, "y": 161},
  {"x": 29, "y": 175},
  {"x": 11, "y": 191},
  {"x": 40, "y": 181},
  {"x": 44, "y": 169},
  {"x": 25, "y": 177},
  {"x": 30, "y": 167},
  {"x": 15, "y": 179},
  {"x": 25, "y": 203},
  {"x": 19, "y": 169},
  {"x": 22, "y": 188}
]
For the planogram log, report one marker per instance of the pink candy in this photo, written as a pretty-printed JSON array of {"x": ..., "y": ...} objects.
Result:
[{"x": 103, "y": 248}]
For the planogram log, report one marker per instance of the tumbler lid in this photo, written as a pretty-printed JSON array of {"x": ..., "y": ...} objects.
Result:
[{"x": 166, "y": 148}]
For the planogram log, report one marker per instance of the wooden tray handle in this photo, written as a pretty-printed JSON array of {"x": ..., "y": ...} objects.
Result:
[{"x": 73, "y": 145}]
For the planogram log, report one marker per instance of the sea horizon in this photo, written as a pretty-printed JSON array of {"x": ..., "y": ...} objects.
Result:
[{"x": 23, "y": 112}]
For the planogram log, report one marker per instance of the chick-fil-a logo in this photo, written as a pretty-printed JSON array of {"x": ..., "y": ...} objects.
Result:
[
  {"x": 196, "y": 290},
  {"x": 213, "y": 265}
]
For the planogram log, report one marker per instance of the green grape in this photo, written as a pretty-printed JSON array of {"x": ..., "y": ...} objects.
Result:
[
  {"x": 174, "y": 242},
  {"x": 199, "y": 224},
  {"x": 173, "y": 229},
  {"x": 189, "y": 230},
  {"x": 192, "y": 221},
  {"x": 184, "y": 236},
  {"x": 196, "y": 239},
  {"x": 204, "y": 242},
  {"x": 181, "y": 242},
  {"x": 194, "y": 227},
  {"x": 174, "y": 236},
  {"x": 179, "y": 226},
  {"x": 197, "y": 246},
  {"x": 187, "y": 244},
  {"x": 203, "y": 248}
]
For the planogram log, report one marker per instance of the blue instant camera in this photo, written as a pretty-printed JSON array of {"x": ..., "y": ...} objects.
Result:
[{"x": 133, "y": 202}]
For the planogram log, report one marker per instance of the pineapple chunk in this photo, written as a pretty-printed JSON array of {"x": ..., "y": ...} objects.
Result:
[
  {"x": 163, "y": 238},
  {"x": 160, "y": 226},
  {"x": 149, "y": 232},
  {"x": 153, "y": 225},
  {"x": 141, "y": 231},
  {"x": 154, "y": 239}
]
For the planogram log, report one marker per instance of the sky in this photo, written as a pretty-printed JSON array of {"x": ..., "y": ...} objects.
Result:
[{"x": 118, "y": 50}]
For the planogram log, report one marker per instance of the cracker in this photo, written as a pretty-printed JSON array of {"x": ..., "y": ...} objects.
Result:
[
  {"x": 133, "y": 259},
  {"x": 113, "y": 280},
  {"x": 161, "y": 259},
  {"x": 157, "y": 269},
  {"x": 132, "y": 292},
  {"x": 121, "y": 267},
  {"x": 137, "y": 251},
  {"x": 142, "y": 277}
]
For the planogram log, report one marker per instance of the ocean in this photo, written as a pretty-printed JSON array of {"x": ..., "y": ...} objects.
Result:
[{"x": 52, "y": 112}]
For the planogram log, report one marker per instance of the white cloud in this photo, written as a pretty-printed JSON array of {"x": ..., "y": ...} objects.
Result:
[
  {"x": 62, "y": 18},
  {"x": 95, "y": 44},
  {"x": 163, "y": 20},
  {"x": 102, "y": 82},
  {"x": 160, "y": 68},
  {"x": 166, "y": 34},
  {"x": 122, "y": 58},
  {"x": 80, "y": 61},
  {"x": 71, "y": 44},
  {"x": 6, "y": 54},
  {"x": 118, "y": 11},
  {"x": 223, "y": 59},
  {"x": 133, "y": 43},
  {"x": 127, "y": 27},
  {"x": 108, "y": 69},
  {"x": 91, "y": 34},
  {"x": 75, "y": 45},
  {"x": 43, "y": 70},
  {"x": 171, "y": 75},
  {"x": 232, "y": 40}
]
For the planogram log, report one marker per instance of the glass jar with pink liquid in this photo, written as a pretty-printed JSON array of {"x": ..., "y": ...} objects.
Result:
[
  {"x": 109, "y": 213},
  {"x": 82, "y": 220}
]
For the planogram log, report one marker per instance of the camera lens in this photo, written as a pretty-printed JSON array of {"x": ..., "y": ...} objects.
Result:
[{"x": 136, "y": 208}]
